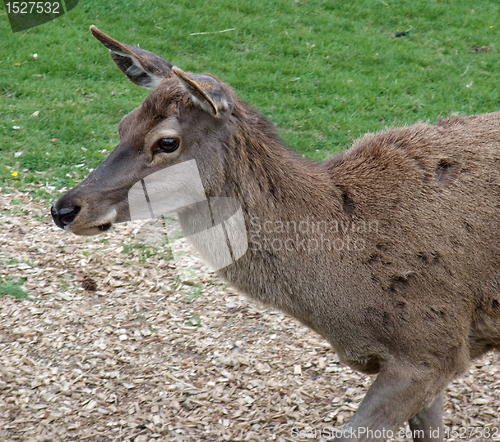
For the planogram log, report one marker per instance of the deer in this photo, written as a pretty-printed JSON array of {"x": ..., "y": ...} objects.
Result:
[{"x": 390, "y": 250}]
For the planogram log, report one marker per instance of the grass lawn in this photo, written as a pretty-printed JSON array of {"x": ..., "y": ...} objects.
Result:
[{"x": 324, "y": 71}]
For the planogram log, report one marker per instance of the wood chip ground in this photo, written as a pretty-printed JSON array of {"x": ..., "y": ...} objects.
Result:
[{"x": 118, "y": 341}]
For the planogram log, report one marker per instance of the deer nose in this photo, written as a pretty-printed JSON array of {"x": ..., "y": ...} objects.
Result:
[{"x": 65, "y": 216}]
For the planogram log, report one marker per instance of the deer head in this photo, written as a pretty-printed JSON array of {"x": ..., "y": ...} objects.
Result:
[{"x": 181, "y": 120}]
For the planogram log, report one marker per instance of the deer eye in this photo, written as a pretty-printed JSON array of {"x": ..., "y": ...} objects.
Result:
[{"x": 168, "y": 145}]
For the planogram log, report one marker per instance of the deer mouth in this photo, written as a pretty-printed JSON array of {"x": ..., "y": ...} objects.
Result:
[
  {"x": 101, "y": 226},
  {"x": 104, "y": 227}
]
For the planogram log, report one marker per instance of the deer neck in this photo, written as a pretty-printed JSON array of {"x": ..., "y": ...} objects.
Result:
[
  {"x": 289, "y": 205},
  {"x": 273, "y": 183}
]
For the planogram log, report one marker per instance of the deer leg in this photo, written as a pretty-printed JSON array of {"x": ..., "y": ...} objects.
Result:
[
  {"x": 427, "y": 424},
  {"x": 395, "y": 396}
]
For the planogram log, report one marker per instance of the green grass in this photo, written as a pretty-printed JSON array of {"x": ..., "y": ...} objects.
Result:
[
  {"x": 12, "y": 287},
  {"x": 143, "y": 251},
  {"x": 324, "y": 71}
]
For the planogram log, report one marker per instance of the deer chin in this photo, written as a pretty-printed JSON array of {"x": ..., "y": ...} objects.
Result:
[
  {"x": 101, "y": 226},
  {"x": 90, "y": 231}
]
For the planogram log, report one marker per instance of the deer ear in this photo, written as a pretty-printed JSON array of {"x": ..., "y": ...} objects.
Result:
[
  {"x": 141, "y": 67},
  {"x": 207, "y": 93}
]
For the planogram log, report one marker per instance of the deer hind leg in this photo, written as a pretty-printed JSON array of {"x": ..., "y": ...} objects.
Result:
[
  {"x": 396, "y": 396},
  {"x": 427, "y": 424}
]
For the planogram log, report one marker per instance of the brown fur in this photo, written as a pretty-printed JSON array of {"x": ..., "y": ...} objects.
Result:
[{"x": 390, "y": 250}]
